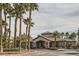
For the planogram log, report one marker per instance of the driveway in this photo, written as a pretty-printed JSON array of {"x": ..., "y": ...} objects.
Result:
[{"x": 46, "y": 52}]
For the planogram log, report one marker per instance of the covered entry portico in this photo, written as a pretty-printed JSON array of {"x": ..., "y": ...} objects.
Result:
[{"x": 41, "y": 42}]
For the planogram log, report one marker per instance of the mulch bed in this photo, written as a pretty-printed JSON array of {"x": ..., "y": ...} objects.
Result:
[
  {"x": 14, "y": 53},
  {"x": 9, "y": 53}
]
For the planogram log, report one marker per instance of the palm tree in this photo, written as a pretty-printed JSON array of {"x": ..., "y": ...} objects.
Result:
[
  {"x": 18, "y": 10},
  {"x": 9, "y": 31},
  {"x": 67, "y": 35},
  {"x": 72, "y": 35},
  {"x": 20, "y": 25},
  {"x": 1, "y": 46},
  {"x": 5, "y": 24},
  {"x": 5, "y": 7},
  {"x": 62, "y": 34},
  {"x": 21, "y": 11},
  {"x": 17, "y": 15},
  {"x": 10, "y": 13},
  {"x": 31, "y": 6},
  {"x": 23, "y": 38},
  {"x": 56, "y": 35},
  {"x": 26, "y": 22},
  {"x": 4, "y": 41}
]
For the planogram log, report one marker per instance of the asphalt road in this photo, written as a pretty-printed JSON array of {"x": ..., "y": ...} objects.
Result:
[{"x": 46, "y": 52}]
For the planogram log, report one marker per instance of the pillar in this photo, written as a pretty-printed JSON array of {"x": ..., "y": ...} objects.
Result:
[
  {"x": 48, "y": 44},
  {"x": 34, "y": 45}
]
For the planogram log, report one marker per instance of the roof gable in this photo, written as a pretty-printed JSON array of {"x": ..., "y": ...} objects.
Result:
[{"x": 41, "y": 37}]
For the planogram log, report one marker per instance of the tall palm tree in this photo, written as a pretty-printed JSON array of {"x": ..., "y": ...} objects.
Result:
[
  {"x": 21, "y": 12},
  {"x": 1, "y": 46},
  {"x": 11, "y": 14},
  {"x": 5, "y": 24},
  {"x": 9, "y": 31},
  {"x": 31, "y": 7},
  {"x": 16, "y": 14},
  {"x": 18, "y": 10},
  {"x": 26, "y": 22},
  {"x": 56, "y": 35},
  {"x": 5, "y": 7}
]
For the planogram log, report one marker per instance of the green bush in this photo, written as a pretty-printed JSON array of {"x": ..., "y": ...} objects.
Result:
[
  {"x": 75, "y": 47},
  {"x": 78, "y": 45},
  {"x": 11, "y": 49}
]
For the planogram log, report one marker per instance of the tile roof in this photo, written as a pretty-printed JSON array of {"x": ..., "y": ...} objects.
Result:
[{"x": 52, "y": 39}]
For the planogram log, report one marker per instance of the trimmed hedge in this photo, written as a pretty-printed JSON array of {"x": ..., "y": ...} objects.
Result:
[
  {"x": 75, "y": 47},
  {"x": 11, "y": 49},
  {"x": 78, "y": 45}
]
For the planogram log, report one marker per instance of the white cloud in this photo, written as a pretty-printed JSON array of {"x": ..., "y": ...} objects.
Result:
[
  {"x": 54, "y": 16},
  {"x": 51, "y": 17}
]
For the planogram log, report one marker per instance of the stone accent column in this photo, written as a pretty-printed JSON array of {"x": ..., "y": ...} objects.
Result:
[
  {"x": 45, "y": 45},
  {"x": 65, "y": 44},
  {"x": 48, "y": 44},
  {"x": 34, "y": 45}
]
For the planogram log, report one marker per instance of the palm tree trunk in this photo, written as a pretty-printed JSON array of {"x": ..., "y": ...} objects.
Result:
[
  {"x": 26, "y": 29},
  {"x": 1, "y": 45},
  {"x": 30, "y": 12},
  {"x": 9, "y": 32},
  {"x": 20, "y": 25},
  {"x": 5, "y": 29},
  {"x": 15, "y": 31},
  {"x": 26, "y": 35}
]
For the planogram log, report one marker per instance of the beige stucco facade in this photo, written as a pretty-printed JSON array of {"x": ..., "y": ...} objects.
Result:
[{"x": 44, "y": 42}]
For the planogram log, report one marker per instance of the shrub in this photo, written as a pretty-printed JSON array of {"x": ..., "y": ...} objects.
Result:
[
  {"x": 75, "y": 47},
  {"x": 78, "y": 45},
  {"x": 11, "y": 49}
]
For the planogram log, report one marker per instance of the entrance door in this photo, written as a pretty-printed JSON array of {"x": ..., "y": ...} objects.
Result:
[{"x": 40, "y": 44}]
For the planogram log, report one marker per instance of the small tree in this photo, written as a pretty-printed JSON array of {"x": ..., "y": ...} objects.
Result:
[
  {"x": 62, "y": 34},
  {"x": 22, "y": 38},
  {"x": 56, "y": 35},
  {"x": 72, "y": 35},
  {"x": 67, "y": 35}
]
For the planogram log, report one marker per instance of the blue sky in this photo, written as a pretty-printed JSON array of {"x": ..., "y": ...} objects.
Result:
[{"x": 53, "y": 16}]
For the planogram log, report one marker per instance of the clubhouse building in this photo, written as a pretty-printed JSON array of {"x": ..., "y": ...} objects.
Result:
[{"x": 45, "y": 40}]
